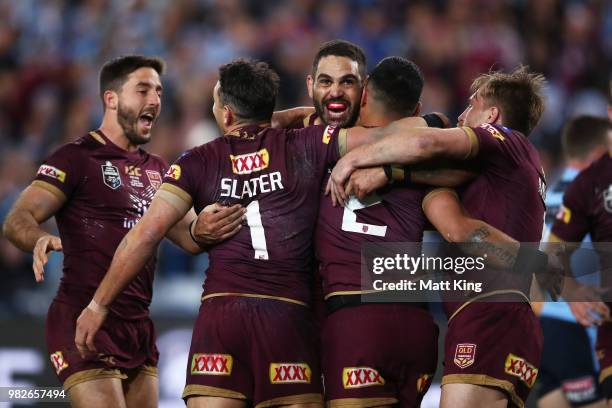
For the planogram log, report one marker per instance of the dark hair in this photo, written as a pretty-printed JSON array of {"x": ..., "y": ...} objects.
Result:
[
  {"x": 518, "y": 95},
  {"x": 397, "y": 83},
  {"x": 115, "y": 72},
  {"x": 341, "y": 48},
  {"x": 582, "y": 134},
  {"x": 250, "y": 87}
]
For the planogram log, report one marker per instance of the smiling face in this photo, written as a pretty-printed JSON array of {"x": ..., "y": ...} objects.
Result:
[
  {"x": 336, "y": 90},
  {"x": 139, "y": 104}
]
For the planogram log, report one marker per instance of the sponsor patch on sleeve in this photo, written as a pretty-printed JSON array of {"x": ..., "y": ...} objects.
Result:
[
  {"x": 174, "y": 172},
  {"x": 564, "y": 214},
  {"x": 493, "y": 131},
  {"x": 290, "y": 373},
  {"x": 57, "y": 359},
  {"x": 327, "y": 133},
  {"x": 52, "y": 172}
]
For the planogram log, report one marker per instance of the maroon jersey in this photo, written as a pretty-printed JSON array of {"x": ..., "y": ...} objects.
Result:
[
  {"x": 107, "y": 190},
  {"x": 509, "y": 191},
  {"x": 276, "y": 174},
  {"x": 394, "y": 216},
  {"x": 587, "y": 208}
]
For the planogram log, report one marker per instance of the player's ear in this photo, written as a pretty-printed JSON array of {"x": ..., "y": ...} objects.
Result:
[
  {"x": 228, "y": 116},
  {"x": 494, "y": 115},
  {"x": 111, "y": 99},
  {"x": 309, "y": 83},
  {"x": 364, "y": 96},
  {"x": 417, "y": 109}
]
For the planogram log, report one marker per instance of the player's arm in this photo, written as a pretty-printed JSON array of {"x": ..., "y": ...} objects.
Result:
[
  {"x": 34, "y": 206},
  {"x": 290, "y": 118},
  {"x": 180, "y": 234},
  {"x": 134, "y": 251}
]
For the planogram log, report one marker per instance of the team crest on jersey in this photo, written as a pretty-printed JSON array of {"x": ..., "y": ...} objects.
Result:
[
  {"x": 250, "y": 162},
  {"x": 57, "y": 359},
  {"x": 607, "y": 196},
  {"x": 465, "y": 354},
  {"x": 290, "y": 373},
  {"x": 154, "y": 178},
  {"x": 359, "y": 377},
  {"x": 520, "y": 368},
  {"x": 327, "y": 133},
  {"x": 564, "y": 214},
  {"x": 493, "y": 131},
  {"x": 174, "y": 172},
  {"x": 52, "y": 172},
  {"x": 111, "y": 176},
  {"x": 211, "y": 364}
]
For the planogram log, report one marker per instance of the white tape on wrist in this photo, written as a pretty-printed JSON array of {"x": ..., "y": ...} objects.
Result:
[{"x": 93, "y": 305}]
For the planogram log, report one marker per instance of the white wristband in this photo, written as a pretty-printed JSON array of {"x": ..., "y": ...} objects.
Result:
[{"x": 93, "y": 305}]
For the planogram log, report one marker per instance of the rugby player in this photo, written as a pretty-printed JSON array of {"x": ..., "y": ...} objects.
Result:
[
  {"x": 97, "y": 188},
  {"x": 492, "y": 350},
  {"x": 587, "y": 209},
  {"x": 571, "y": 380}
]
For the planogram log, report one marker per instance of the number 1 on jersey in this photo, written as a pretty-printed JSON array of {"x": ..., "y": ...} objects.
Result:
[{"x": 258, "y": 237}]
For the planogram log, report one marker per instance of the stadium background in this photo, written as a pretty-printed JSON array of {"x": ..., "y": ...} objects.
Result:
[{"x": 50, "y": 52}]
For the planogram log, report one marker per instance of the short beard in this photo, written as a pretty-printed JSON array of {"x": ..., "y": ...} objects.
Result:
[{"x": 128, "y": 120}]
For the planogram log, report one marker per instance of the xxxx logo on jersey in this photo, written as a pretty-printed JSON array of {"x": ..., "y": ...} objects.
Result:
[
  {"x": 250, "y": 162},
  {"x": 174, "y": 172},
  {"x": 52, "y": 172},
  {"x": 290, "y": 373},
  {"x": 358, "y": 377},
  {"x": 57, "y": 359},
  {"x": 520, "y": 368},
  {"x": 211, "y": 364}
]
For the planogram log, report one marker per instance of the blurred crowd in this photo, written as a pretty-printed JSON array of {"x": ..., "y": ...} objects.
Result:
[{"x": 50, "y": 53}]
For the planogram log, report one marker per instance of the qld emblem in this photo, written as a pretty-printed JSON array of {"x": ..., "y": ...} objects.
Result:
[
  {"x": 465, "y": 354},
  {"x": 111, "y": 176},
  {"x": 607, "y": 196}
]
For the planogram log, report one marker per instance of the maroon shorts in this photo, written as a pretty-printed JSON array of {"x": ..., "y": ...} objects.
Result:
[
  {"x": 378, "y": 354},
  {"x": 125, "y": 348},
  {"x": 261, "y": 350},
  {"x": 495, "y": 344}
]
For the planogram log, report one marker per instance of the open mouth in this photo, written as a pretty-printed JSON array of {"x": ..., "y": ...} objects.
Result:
[
  {"x": 146, "y": 119},
  {"x": 336, "y": 106}
]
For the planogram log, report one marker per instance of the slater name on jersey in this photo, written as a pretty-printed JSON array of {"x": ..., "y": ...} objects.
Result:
[{"x": 248, "y": 188}]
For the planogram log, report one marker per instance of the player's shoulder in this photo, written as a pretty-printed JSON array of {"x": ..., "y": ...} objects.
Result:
[
  {"x": 155, "y": 158},
  {"x": 79, "y": 147},
  {"x": 599, "y": 167}
]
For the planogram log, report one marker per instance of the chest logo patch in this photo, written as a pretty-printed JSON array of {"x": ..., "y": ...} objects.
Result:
[{"x": 111, "y": 176}]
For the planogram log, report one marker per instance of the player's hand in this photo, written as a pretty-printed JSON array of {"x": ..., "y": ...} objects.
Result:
[
  {"x": 340, "y": 174},
  {"x": 365, "y": 181},
  {"x": 551, "y": 280},
  {"x": 589, "y": 313},
  {"x": 87, "y": 325},
  {"x": 216, "y": 223},
  {"x": 44, "y": 245}
]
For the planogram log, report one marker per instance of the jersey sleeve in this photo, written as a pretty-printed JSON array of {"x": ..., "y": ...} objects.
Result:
[
  {"x": 488, "y": 142},
  {"x": 572, "y": 221},
  {"x": 59, "y": 173},
  {"x": 182, "y": 176},
  {"x": 324, "y": 143}
]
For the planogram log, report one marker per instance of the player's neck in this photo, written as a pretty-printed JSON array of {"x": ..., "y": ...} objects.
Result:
[
  {"x": 376, "y": 119},
  {"x": 239, "y": 125},
  {"x": 115, "y": 134}
]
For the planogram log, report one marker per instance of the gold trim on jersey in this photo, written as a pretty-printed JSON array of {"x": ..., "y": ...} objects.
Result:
[
  {"x": 485, "y": 295},
  {"x": 342, "y": 141},
  {"x": 292, "y": 400},
  {"x": 196, "y": 390},
  {"x": 553, "y": 238},
  {"x": 96, "y": 136},
  {"x": 182, "y": 194},
  {"x": 474, "y": 145},
  {"x": 90, "y": 375},
  {"x": 360, "y": 402},
  {"x": 255, "y": 295},
  {"x": 435, "y": 192},
  {"x": 350, "y": 292},
  {"x": 149, "y": 370},
  {"x": 485, "y": 380},
  {"x": 605, "y": 373},
  {"x": 50, "y": 188}
]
